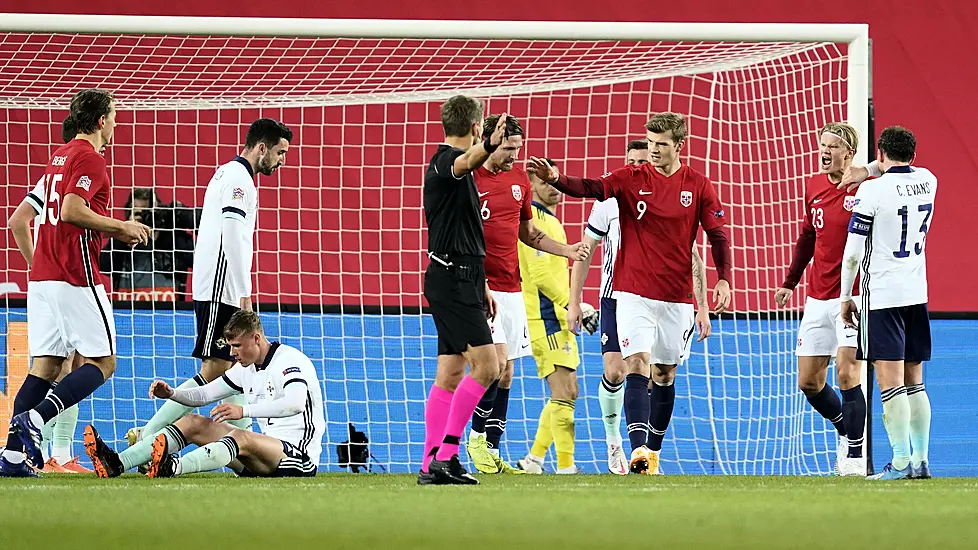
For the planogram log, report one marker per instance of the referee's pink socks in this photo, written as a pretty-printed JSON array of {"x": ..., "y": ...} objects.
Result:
[
  {"x": 435, "y": 416},
  {"x": 467, "y": 396}
]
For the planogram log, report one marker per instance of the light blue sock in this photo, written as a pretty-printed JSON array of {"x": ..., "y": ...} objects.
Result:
[
  {"x": 919, "y": 423},
  {"x": 896, "y": 419}
]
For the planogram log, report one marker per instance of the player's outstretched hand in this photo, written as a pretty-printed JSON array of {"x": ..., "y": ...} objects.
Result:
[
  {"x": 542, "y": 169},
  {"x": 160, "y": 389},
  {"x": 703, "y": 324},
  {"x": 490, "y": 305},
  {"x": 850, "y": 315},
  {"x": 579, "y": 252},
  {"x": 574, "y": 317},
  {"x": 499, "y": 133},
  {"x": 227, "y": 411},
  {"x": 782, "y": 295},
  {"x": 853, "y": 177},
  {"x": 133, "y": 233},
  {"x": 721, "y": 296}
]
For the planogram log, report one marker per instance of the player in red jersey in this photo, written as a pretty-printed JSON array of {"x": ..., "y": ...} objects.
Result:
[
  {"x": 661, "y": 206},
  {"x": 67, "y": 308},
  {"x": 505, "y": 197},
  {"x": 823, "y": 333}
]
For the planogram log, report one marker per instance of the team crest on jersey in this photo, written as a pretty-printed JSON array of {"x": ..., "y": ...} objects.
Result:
[
  {"x": 237, "y": 194},
  {"x": 517, "y": 192},
  {"x": 85, "y": 183},
  {"x": 686, "y": 198},
  {"x": 849, "y": 203}
]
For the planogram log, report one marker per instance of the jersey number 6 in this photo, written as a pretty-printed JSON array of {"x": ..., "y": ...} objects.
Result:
[{"x": 485, "y": 210}]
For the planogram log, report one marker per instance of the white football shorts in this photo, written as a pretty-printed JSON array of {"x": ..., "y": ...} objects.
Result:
[
  {"x": 822, "y": 331},
  {"x": 62, "y": 318},
  {"x": 664, "y": 329},
  {"x": 510, "y": 326}
]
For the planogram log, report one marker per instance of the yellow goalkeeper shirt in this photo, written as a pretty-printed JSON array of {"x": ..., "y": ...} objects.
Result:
[{"x": 545, "y": 279}]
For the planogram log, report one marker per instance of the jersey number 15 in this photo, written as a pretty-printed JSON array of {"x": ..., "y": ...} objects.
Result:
[
  {"x": 904, "y": 214},
  {"x": 52, "y": 200}
]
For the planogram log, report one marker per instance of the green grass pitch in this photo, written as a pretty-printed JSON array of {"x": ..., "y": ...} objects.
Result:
[{"x": 212, "y": 512}]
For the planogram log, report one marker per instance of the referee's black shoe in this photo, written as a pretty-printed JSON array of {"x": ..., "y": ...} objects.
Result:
[
  {"x": 427, "y": 478},
  {"x": 451, "y": 472}
]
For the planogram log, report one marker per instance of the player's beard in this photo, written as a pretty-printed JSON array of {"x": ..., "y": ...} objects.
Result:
[{"x": 264, "y": 166}]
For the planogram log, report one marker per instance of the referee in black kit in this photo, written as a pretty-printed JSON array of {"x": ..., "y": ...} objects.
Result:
[{"x": 455, "y": 287}]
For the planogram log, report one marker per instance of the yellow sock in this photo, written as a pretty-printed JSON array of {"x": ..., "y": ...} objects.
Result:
[
  {"x": 563, "y": 430},
  {"x": 545, "y": 435}
]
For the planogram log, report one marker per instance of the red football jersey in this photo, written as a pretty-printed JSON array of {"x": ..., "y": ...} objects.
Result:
[
  {"x": 659, "y": 217},
  {"x": 827, "y": 212},
  {"x": 67, "y": 252},
  {"x": 504, "y": 200}
]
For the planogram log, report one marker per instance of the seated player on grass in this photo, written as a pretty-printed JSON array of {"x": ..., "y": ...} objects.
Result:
[{"x": 283, "y": 395}]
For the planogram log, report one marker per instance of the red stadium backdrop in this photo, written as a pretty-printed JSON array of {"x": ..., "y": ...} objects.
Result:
[{"x": 919, "y": 80}]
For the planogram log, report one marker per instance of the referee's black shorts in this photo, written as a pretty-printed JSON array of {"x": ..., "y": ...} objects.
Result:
[{"x": 456, "y": 297}]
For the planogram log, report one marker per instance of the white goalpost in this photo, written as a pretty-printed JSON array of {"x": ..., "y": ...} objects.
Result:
[{"x": 341, "y": 233}]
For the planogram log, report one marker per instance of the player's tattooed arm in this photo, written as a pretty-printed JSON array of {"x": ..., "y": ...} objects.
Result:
[
  {"x": 699, "y": 280},
  {"x": 531, "y": 236}
]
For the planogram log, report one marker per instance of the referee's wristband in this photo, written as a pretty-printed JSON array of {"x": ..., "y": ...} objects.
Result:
[{"x": 489, "y": 147}]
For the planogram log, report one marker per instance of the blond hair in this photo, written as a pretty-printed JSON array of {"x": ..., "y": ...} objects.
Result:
[
  {"x": 843, "y": 131},
  {"x": 661, "y": 123},
  {"x": 242, "y": 322}
]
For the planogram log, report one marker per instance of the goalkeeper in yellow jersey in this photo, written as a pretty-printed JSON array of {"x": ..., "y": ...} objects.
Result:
[{"x": 546, "y": 291}]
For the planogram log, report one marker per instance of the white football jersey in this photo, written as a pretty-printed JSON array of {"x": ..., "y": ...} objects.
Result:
[
  {"x": 266, "y": 382},
  {"x": 602, "y": 225},
  {"x": 230, "y": 193},
  {"x": 894, "y": 211}
]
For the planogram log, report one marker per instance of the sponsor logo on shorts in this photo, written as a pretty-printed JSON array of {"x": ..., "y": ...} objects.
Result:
[
  {"x": 686, "y": 198},
  {"x": 221, "y": 343},
  {"x": 604, "y": 338},
  {"x": 799, "y": 342},
  {"x": 567, "y": 348},
  {"x": 624, "y": 343},
  {"x": 85, "y": 183}
]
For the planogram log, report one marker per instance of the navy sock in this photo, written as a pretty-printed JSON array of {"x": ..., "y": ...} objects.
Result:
[
  {"x": 828, "y": 404},
  {"x": 76, "y": 386},
  {"x": 497, "y": 418},
  {"x": 30, "y": 394},
  {"x": 637, "y": 409},
  {"x": 661, "y": 401},
  {"x": 484, "y": 408},
  {"x": 854, "y": 417}
]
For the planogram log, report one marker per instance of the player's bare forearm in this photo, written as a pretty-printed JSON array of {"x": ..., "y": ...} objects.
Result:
[
  {"x": 20, "y": 226},
  {"x": 699, "y": 280},
  {"x": 77, "y": 213},
  {"x": 803, "y": 253},
  {"x": 579, "y": 187},
  {"x": 579, "y": 273},
  {"x": 851, "y": 258},
  {"x": 720, "y": 250},
  {"x": 531, "y": 236}
]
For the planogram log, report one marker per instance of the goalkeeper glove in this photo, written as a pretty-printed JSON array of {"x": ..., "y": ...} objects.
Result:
[{"x": 589, "y": 318}]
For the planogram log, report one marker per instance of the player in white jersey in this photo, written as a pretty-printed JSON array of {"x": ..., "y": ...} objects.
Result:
[
  {"x": 890, "y": 220},
  {"x": 283, "y": 393},
  {"x": 60, "y": 430},
  {"x": 222, "y": 263},
  {"x": 602, "y": 226}
]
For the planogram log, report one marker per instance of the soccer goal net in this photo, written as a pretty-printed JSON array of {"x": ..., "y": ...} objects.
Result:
[{"x": 341, "y": 230}]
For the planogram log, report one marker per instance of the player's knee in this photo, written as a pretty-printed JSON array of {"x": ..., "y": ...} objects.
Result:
[
  {"x": 506, "y": 376},
  {"x": 637, "y": 364},
  {"x": 664, "y": 375},
  {"x": 107, "y": 366},
  {"x": 212, "y": 368},
  {"x": 614, "y": 369},
  {"x": 809, "y": 385},
  {"x": 191, "y": 424}
]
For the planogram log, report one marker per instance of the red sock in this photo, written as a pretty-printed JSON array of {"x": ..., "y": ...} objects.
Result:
[
  {"x": 467, "y": 397},
  {"x": 435, "y": 416}
]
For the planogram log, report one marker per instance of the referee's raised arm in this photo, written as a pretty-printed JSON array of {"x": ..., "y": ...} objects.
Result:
[{"x": 476, "y": 152}]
